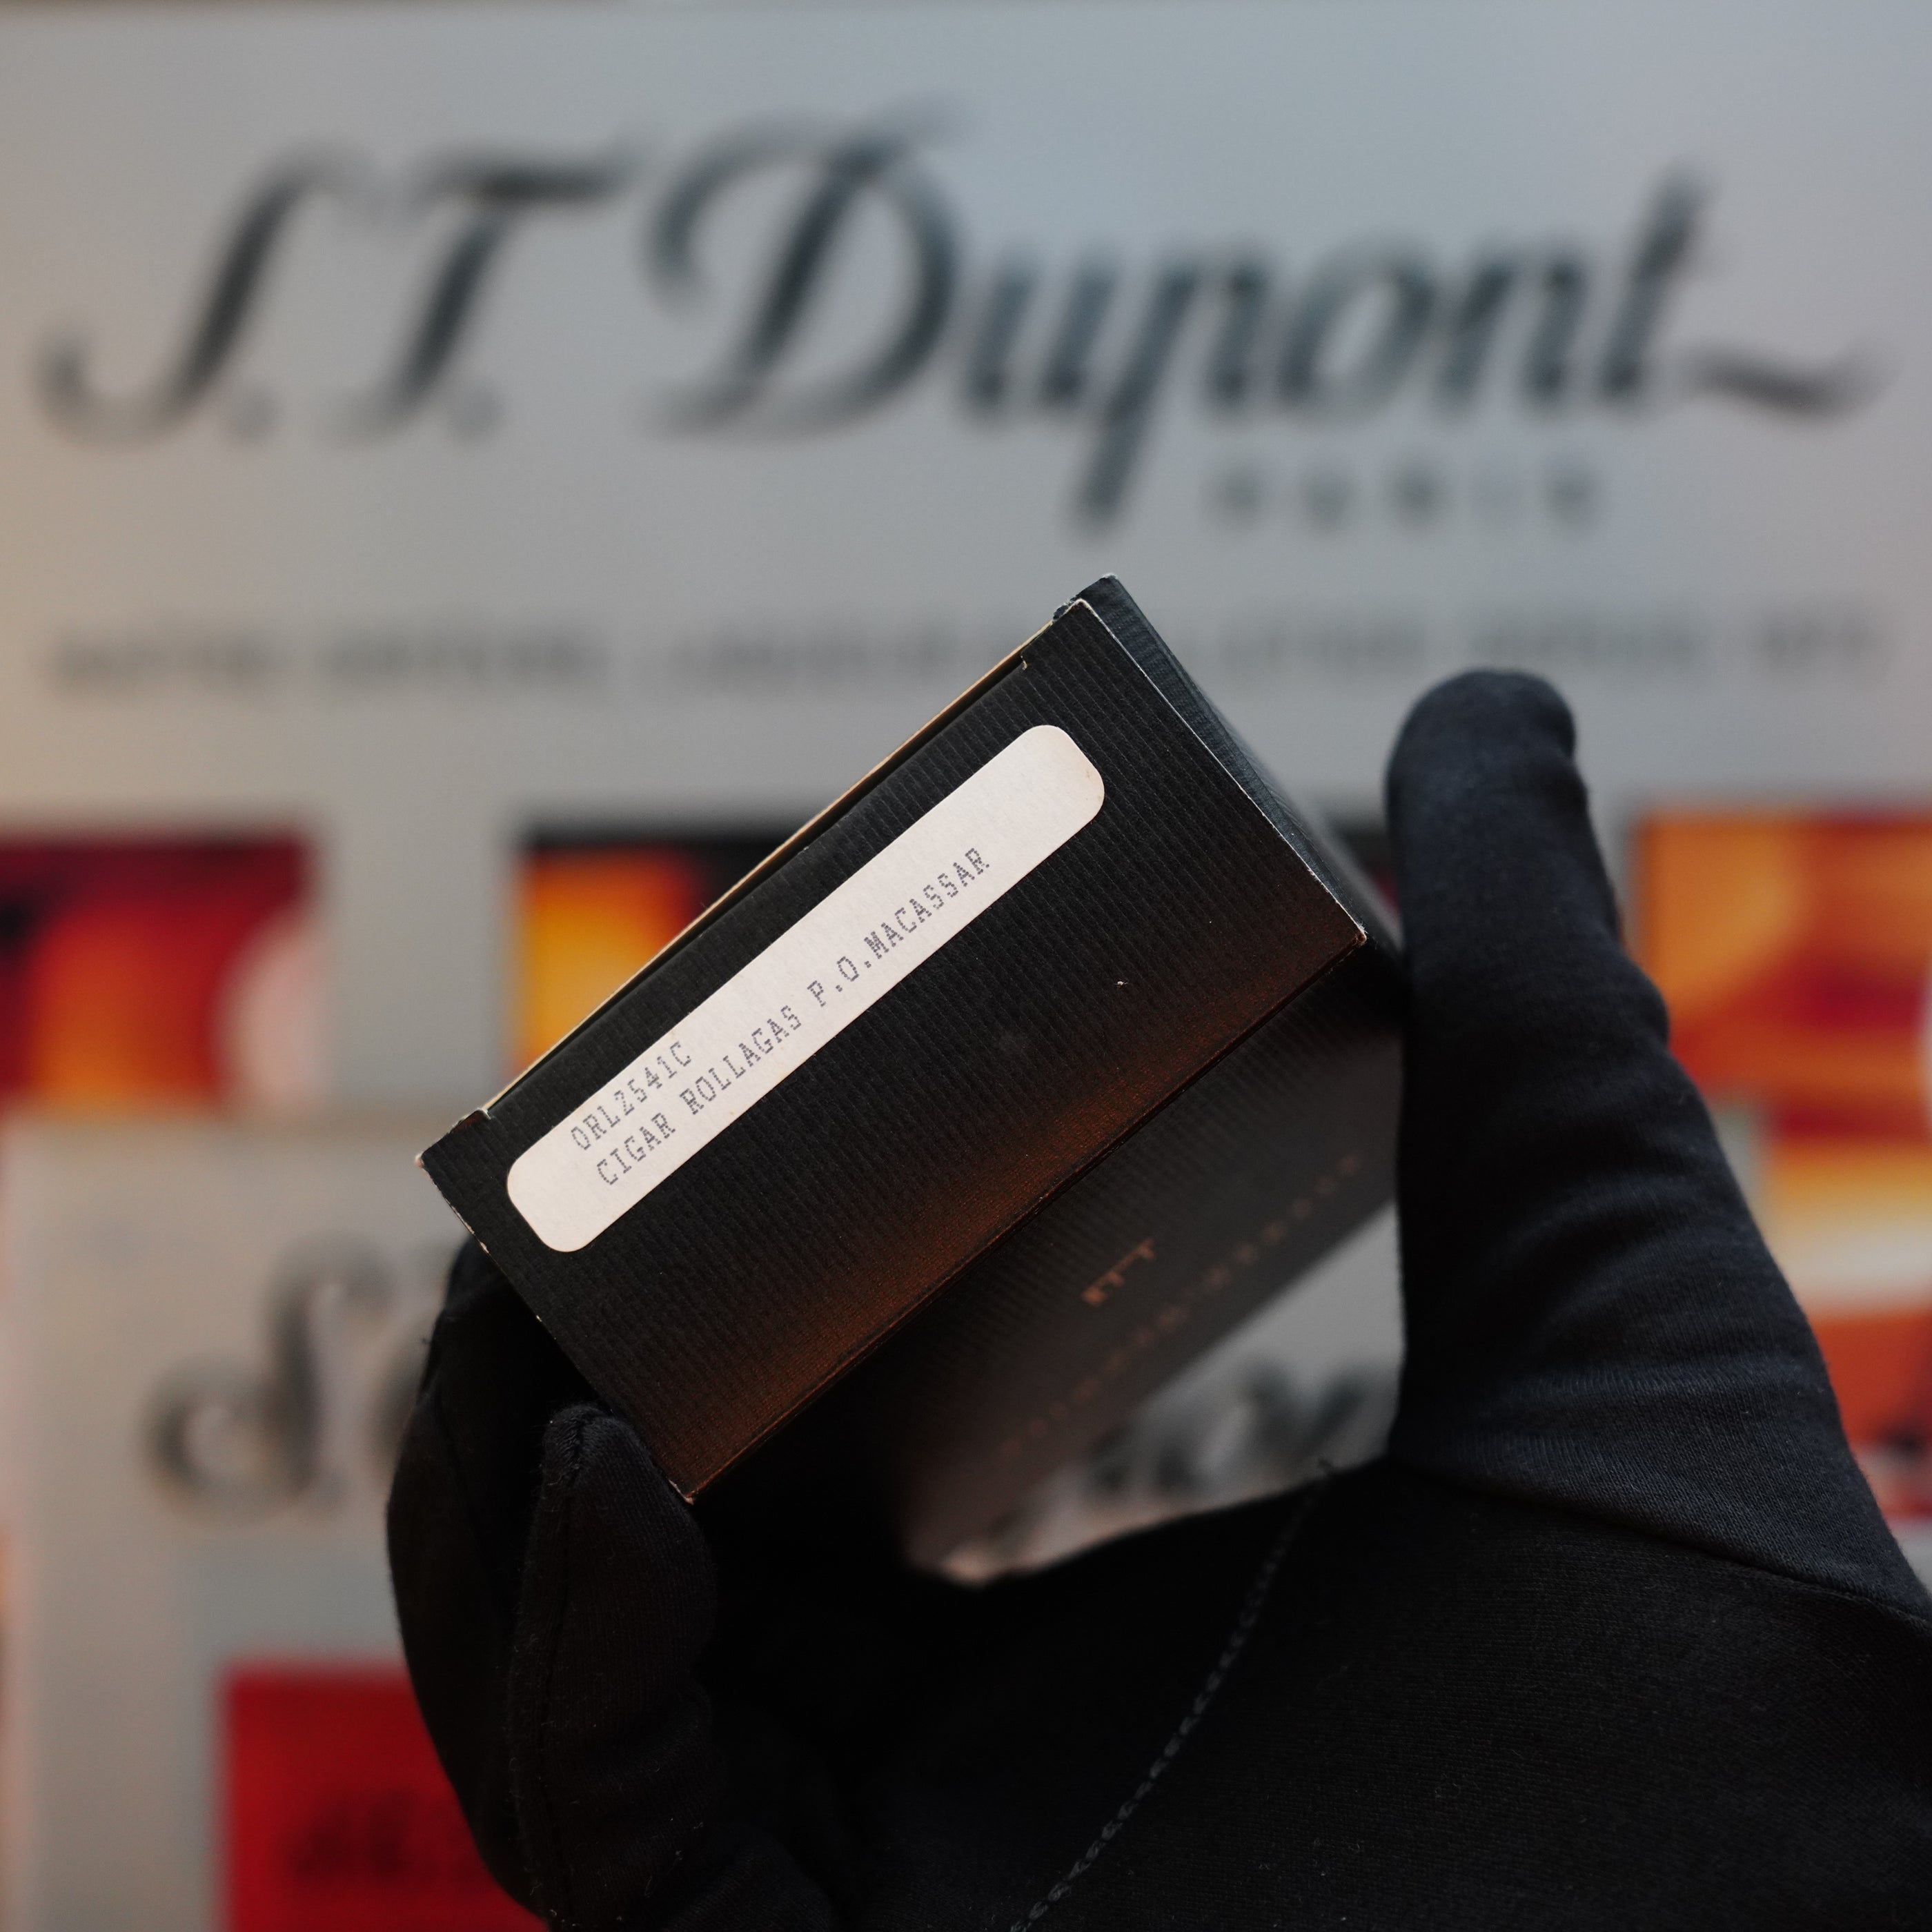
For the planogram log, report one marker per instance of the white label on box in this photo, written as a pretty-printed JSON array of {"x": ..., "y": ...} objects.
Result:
[{"x": 770, "y": 1017}]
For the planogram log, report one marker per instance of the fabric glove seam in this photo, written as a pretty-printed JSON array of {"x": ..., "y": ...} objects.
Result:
[{"x": 1253, "y": 1601}]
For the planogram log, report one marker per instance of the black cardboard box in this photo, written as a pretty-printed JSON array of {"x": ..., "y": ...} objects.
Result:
[{"x": 1011, "y": 1081}]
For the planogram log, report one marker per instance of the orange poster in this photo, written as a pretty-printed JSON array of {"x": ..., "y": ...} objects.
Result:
[
  {"x": 594, "y": 908},
  {"x": 1795, "y": 952},
  {"x": 145, "y": 972}
]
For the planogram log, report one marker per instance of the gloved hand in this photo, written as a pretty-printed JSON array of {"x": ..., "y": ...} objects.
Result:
[{"x": 1613, "y": 1636}]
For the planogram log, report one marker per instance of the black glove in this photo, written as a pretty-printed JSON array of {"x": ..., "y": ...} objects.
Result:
[{"x": 1613, "y": 1636}]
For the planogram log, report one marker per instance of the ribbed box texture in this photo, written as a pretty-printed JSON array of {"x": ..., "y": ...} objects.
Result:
[{"x": 1139, "y": 1092}]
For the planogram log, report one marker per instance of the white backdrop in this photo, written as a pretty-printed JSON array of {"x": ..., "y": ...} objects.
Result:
[{"x": 416, "y": 423}]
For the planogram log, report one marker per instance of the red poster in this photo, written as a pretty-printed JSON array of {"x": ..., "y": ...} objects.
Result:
[{"x": 338, "y": 1814}]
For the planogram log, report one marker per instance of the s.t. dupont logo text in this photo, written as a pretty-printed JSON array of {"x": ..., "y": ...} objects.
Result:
[
  {"x": 314, "y": 1414},
  {"x": 1095, "y": 343}
]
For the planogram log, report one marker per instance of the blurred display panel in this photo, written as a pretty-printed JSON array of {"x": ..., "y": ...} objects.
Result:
[
  {"x": 649, "y": 415},
  {"x": 144, "y": 973},
  {"x": 594, "y": 907},
  {"x": 1795, "y": 949},
  {"x": 210, "y": 1338}
]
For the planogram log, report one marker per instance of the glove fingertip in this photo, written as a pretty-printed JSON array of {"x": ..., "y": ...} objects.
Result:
[
  {"x": 600, "y": 1482},
  {"x": 1494, "y": 853},
  {"x": 1474, "y": 718}
]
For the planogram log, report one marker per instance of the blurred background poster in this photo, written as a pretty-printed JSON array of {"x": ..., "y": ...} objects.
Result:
[
  {"x": 1796, "y": 950},
  {"x": 472, "y": 478}
]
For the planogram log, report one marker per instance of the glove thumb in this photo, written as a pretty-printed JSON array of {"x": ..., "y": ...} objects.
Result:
[
  {"x": 612, "y": 1765},
  {"x": 1593, "y": 1320}
]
